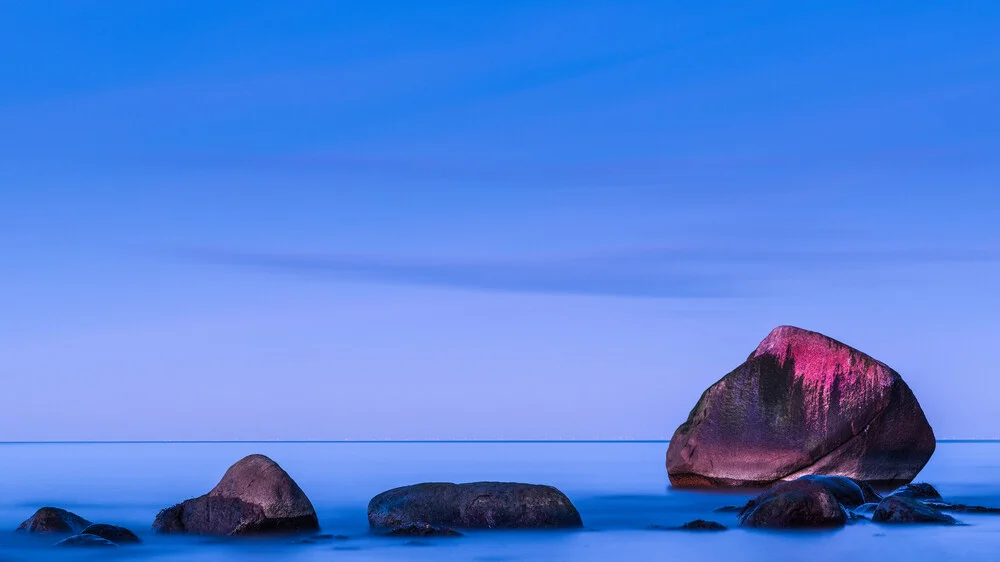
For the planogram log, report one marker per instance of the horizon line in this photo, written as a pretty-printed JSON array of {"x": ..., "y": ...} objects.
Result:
[{"x": 376, "y": 441}]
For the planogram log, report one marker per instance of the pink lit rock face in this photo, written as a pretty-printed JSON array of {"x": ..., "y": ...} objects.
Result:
[{"x": 802, "y": 403}]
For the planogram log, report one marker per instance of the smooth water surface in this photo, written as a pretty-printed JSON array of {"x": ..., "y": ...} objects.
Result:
[{"x": 620, "y": 488}]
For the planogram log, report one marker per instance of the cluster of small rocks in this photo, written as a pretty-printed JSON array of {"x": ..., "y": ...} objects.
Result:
[{"x": 257, "y": 497}]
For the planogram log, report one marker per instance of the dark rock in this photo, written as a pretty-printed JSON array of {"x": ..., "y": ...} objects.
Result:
[
  {"x": 802, "y": 403},
  {"x": 802, "y": 503},
  {"x": 846, "y": 490},
  {"x": 920, "y": 491},
  {"x": 113, "y": 533},
  {"x": 869, "y": 491},
  {"x": 905, "y": 509},
  {"x": 729, "y": 509},
  {"x": 314, "y": 539},
  {"x": 54, "y": 520},
  {"x": 422, "y": 530},
  {"x": 962, "y": 508},
  {"x": 254, "y": 497},
  {"x": 84, "y": 540},
  {"x": 699, "y": 525},
  {"x": 477, "y": 505}
]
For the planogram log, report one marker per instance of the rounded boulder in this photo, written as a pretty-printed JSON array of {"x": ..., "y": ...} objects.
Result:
[
  {"x": 802, "y": 503},
  {"x": 476, "y": 505},
  {"x": 802, "y": 403},
  {"x": 255, "y": 496}
]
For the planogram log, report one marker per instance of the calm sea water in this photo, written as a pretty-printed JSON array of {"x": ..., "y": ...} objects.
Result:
[{"x": 620, "y": 489}]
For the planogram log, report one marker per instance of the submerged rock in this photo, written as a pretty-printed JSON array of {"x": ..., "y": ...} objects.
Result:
[
  {"x": 113, "y": 533},
  {"x": 422, "y": 530},
  {"x": 699, "y": 525},
  {"x": 255, "y": 496},
  {"x": 477, "y": 505},
  {"x": 84, "y": 540},
  {"x": 54, "y": 520},
  {"x": 802, "y": 403},
  {"x": 962, "y": 508},
  {"x": 802, "y": 503},
  {"x": 906, "y": 509},
  {"x": 865, "y": 511}
]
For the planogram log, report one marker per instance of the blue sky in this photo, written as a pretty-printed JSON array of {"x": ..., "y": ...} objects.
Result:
[{"x": 327, "y": 220}]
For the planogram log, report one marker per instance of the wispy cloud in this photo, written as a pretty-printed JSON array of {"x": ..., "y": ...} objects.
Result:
[{"x": 636, "y": 273}]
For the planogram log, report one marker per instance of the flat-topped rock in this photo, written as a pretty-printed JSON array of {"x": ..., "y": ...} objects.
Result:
[
  {"x": 802, "y": 403},
  {"x": 255, "y": 496},
  {"x": 476, "y": 505},
  {"x": 54, "y": 520}
]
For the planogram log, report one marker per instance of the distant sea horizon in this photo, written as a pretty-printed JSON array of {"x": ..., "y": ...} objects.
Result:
[{"x": 328, "y": 441}]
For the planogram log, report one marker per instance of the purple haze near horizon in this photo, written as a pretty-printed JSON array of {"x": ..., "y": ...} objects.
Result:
[{"x": 534, "y": 220}]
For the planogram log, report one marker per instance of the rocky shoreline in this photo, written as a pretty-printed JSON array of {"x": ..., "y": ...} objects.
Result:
[{"x": 824, "y": 431}]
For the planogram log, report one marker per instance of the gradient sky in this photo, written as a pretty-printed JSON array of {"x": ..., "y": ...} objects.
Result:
[{"x": 367, "y": 220}]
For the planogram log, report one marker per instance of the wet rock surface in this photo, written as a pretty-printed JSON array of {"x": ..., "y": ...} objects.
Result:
[
  {"x": 476, "y": 505},
  {"x": 920, "y": 491},
  {"x": 906, "y": 509},
  {"x": 113, "y": 533},
  {"x": 846, "y": 490},
  {"x": 85, "y": 540},
  {"x": 802, "y": 503}
]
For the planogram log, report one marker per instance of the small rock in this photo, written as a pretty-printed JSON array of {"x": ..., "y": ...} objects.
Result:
[
  {"x": 422, "y": 530},
  {"x": 962, "y": 508},
  {"x": 905, "y": 509},
  {"x": 54, "y": 520},
  {"x": 113, "y": 533},
  {"x": 802, "y": 503},
  {"x": 84, "y": 540},
  {"x": 922, "y": 491},
  {"x": 696, "y": 525},
  {"x": 729, "y": 509}
]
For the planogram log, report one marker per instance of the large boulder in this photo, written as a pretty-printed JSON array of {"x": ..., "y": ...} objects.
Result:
[
  {"x": 477, "y": 505},
  {"x": 254, "y": 497},
  {"x": 54, "y": 520},
  {"x": 803, "y": 503},
  {"x": 802, "y": 403}
]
